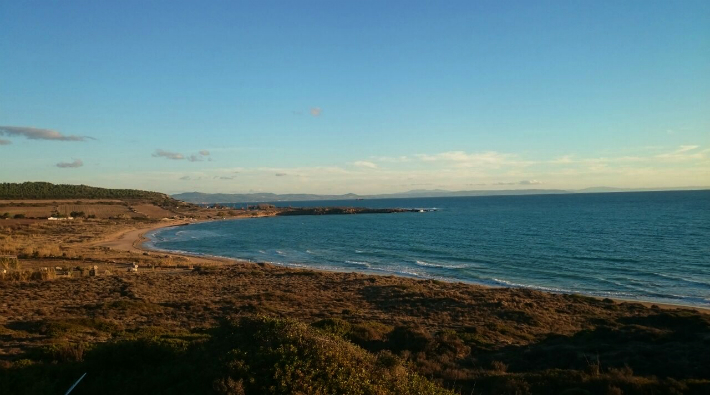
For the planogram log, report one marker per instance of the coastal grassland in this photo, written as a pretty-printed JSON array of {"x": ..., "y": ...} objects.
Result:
[
  {"x": 41, "y": 238},
  {"x": 198, "y": 325},
  {"x": 101, "y": 210},
  {"x": 255, "y": 355},
  {"x": 462, "y": 337}
]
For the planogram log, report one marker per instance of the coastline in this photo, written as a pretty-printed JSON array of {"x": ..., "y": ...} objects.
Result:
[{"x": 134, "y": 241}]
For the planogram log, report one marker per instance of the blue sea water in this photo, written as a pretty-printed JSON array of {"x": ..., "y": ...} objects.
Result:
[{"x": 652, "y": 246}]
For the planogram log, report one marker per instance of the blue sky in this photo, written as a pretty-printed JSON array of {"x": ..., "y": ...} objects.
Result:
[{"x": 360, "y": 96}]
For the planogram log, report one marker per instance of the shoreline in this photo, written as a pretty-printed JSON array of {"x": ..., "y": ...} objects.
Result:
[{"x": 134, "y": 241}]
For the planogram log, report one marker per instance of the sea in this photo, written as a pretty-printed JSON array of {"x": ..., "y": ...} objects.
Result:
[{"x": 645, "y": 246}]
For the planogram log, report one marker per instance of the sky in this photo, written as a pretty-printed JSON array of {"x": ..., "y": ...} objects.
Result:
[{"x": 355, "y": 96}]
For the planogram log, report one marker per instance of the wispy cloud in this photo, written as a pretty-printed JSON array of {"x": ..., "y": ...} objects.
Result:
[
  {"x": 683, "y": 153},
  {"x": 280, "y": 174},
  {"x": 5, "y": 142},
  {"x": 391, "y": 159},
  {"x": 159, "y": 153},
  {"x": 75, "y": 163},
  {"x": 199, "y": 157},
  {"x": 316, "y": 111},
  {"x": 364, "y": 163},
  {"x": 39, "y": 134},
  {"x": 475, "y": 159},
  {"x": 522, "y": 182}
]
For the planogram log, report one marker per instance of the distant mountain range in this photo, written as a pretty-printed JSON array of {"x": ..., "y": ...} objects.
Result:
[{"x": 199, "y": 197}]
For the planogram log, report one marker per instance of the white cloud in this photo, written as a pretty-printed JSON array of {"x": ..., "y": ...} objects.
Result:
[
  {"x": 479, "y": 159},
  {"x": 683, "y": 153},
  {"x": 391, "y": 159},
  {"x": 450, "y": 170},
  {"x": 364, "y": 163},
  {"x": 563, "y": 159}
]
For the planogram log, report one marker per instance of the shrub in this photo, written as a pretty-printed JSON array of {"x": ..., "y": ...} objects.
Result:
[
  {"x": 413, "y": 339},
  {"x": 250, "y": 356},
  {"x": 335, "y": 326}
]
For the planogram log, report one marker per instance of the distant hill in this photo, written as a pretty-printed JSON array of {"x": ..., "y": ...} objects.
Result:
[
  {"x": 198, "y": 197},
  {"x": 46, "y": 190},
  {"x": 613, "y": 189}
]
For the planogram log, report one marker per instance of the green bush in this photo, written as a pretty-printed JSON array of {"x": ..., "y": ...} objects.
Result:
[{"x": 250, "y": 356}]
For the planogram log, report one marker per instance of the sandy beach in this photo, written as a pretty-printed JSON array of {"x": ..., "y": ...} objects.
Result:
[{"x": 133, "y": 241}]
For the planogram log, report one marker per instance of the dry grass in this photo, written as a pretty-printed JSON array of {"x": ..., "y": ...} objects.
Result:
[
  {"x": 48, "y": 209},
  {"x": 153, "y": 211},
  {"x": 97, "y": 210},
  {"x": 30, "y": 212},
  {"x": 455, "y": 333},
  {"x": 45, "y": 201}
]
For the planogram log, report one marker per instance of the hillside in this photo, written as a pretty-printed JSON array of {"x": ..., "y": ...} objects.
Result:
[{"x": 46, "y": 190}]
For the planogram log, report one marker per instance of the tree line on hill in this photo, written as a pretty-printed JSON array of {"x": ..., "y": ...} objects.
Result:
[{"x": 46, "y": 190}]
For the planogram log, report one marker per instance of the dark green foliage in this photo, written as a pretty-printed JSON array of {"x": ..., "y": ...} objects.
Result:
[
  {"x": 59, "y": 328},
  {"x": 46, "y": 190},
  {"x": 335, "y": 326},
  {"x": 251, "y": 356},
  {"x": 414, "y": 339},
  {"x": 282, "y": 356}
]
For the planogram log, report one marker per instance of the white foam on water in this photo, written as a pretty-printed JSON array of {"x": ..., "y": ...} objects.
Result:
[
  {"x": 439, "y": 265},
  {"x": 359, "y": 263}
]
